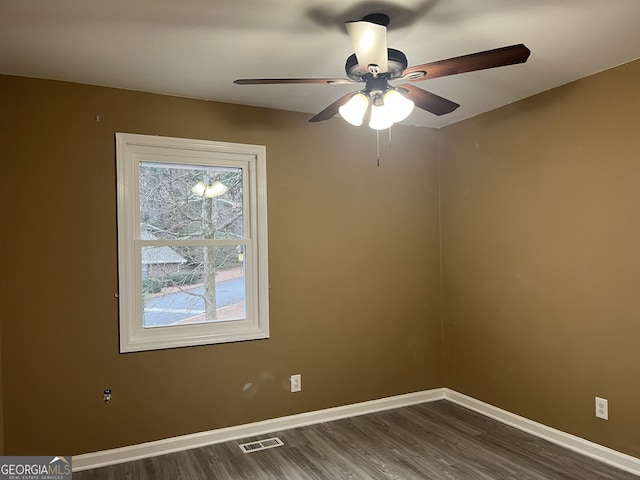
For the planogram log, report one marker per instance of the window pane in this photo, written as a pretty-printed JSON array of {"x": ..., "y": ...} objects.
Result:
[
  {"x": 180, "y": 202},
  {"x": 185, "y": 285}
]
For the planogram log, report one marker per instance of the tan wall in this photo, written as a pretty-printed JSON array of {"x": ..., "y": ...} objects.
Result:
[
  {"x": 354, "y": 272},
  {"x": 541, "y": 257},
  {"x": 541, "y": 268}
]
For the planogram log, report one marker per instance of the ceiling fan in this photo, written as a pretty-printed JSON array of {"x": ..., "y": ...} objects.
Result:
[{"x": 376, "y": 66}]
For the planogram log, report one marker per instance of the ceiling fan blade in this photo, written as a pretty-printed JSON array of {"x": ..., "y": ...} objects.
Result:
[
  {"x": 369, "y": 44},
  {"x": 498, "y": 57},
  {"x": 276, "y": 81},
  {"x": 426, "y": 100},
  {"x": 332, "y": 109}
]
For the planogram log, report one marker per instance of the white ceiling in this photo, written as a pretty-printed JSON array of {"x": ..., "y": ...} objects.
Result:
[{"x": 196, "y": 48}]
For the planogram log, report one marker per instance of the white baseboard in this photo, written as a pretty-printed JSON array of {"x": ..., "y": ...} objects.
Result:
[
  {"x": 566, "y": 440},
  {"x": 185, "y": 442}
]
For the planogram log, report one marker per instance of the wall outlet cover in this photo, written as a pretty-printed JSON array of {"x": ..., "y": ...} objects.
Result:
[
  {"x": 602, "y": 408},
  {"x": 296, "y": 382}
]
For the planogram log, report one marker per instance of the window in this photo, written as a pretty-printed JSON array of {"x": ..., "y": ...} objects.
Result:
[{"x": 192, "y": 242}]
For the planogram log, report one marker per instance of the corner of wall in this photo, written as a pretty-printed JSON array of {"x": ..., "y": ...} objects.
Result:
[{"x": 443, "y": 338}]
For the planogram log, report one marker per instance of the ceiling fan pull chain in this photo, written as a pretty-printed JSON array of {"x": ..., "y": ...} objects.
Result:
[{"x": 378, "y": 147}]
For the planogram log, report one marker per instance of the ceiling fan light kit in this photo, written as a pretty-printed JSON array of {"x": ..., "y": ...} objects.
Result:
[
  {"x": 387, "y": 107},
  {"x": 375, "y": 65}
]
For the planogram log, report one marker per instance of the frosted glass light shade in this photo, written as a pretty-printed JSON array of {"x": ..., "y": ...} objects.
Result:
[
  {"x": 199, "y": 188},
  {"x": 353, "y": 111},
  {"x": 397, "y": 106},
  {"x": 215, "y": 190},
  {"x": 380, "y": 119}
]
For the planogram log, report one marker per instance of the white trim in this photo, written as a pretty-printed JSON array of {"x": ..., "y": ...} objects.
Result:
[
  {"x": 185, "y": 442},
  {"x": 131, "y": 151},
  {"x": 87, "y": 461},
  {"x": 577, "y": 444}
]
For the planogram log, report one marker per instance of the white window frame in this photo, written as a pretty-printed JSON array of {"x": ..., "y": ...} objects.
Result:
[{"x": 131, "y": 150}]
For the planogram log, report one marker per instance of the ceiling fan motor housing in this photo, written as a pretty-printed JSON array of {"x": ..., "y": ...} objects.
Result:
[{"x": 397, "y": 64}]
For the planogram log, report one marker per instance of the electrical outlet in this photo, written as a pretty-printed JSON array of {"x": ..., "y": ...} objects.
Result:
[
  {"x": 602, "y": 408},
  {"x": 296, "y": 382}
]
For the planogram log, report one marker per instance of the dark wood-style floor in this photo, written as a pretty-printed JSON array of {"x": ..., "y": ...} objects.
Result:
[{"x": 437, "y": 440}]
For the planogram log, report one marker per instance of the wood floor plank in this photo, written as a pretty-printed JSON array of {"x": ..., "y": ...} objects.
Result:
[{"x": 435, "y": 441}]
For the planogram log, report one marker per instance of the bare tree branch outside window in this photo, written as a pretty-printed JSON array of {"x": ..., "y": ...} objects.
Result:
[{"x": 171, "y": 209}]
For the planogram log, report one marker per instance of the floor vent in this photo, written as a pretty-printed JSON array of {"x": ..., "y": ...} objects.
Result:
[{"x": 261, "y": 445}]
